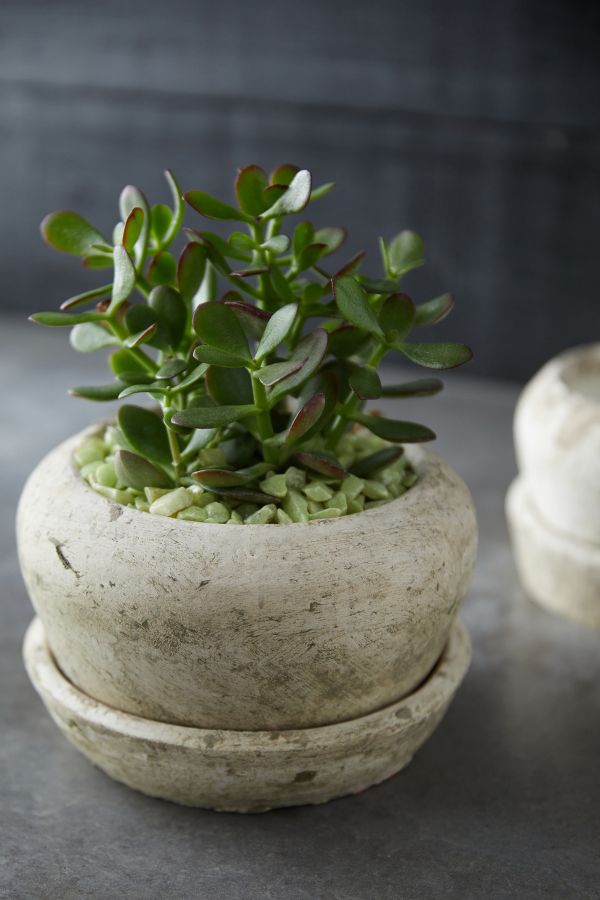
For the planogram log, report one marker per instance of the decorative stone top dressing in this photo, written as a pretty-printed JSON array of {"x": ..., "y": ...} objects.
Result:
[{"x": 294, "y": 495}]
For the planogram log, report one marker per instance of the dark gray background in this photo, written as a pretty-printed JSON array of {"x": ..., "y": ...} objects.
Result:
[{"x": 477, "y": 123}]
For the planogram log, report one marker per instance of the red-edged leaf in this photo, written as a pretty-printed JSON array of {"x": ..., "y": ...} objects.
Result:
[
  {"x": 307, "y": 416},
  {"x": 249, "y": 188},
  {"x": 283, "y": 174},
  {"x": 352, "y": 265},
  {"x": 133, "y": 228},
  {"x": 218, "y": 478},
  {"x": 434, "y": 310},
  {"x": 394, "y": 430},
  {"x": 270, "y": 375},
  {"x": 253, "y": 320},
  {"x": 366, "y": 383},
  {"x": 322, "y": 463}
]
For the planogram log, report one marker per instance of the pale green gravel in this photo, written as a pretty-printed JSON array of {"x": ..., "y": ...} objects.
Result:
[{"x": 297, "y": 495}]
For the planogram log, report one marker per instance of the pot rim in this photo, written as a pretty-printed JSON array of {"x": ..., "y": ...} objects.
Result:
[{"x": 420, "y": 458}]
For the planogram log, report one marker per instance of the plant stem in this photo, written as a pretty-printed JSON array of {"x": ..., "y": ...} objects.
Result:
[
  {"x": 173, "y": 440},
  {"x": 263, "y": 421},
  {"x": 352, "y": 402}
]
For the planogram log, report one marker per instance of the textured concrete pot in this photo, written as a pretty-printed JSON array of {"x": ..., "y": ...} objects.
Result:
[
  {"x": 252, "y": 628},
  {"x": 247, "y": 771},
  {"x": 554, "y": 507}
]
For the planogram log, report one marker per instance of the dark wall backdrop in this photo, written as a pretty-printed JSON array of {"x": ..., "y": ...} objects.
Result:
[{"x": 476, "y": 123}]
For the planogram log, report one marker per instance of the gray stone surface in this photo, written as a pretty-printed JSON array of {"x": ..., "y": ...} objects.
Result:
[{"x": 513, "y": 812}]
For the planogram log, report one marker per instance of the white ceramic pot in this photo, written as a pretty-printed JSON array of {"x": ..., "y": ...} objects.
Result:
[
  {"x": 245, "y": 627},
  {"x": 553, "y": 508},
  {"x": 557, "y": 441}
]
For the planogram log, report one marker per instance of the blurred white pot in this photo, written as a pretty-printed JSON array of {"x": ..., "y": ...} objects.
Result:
[{"x": 554, "y": 508}]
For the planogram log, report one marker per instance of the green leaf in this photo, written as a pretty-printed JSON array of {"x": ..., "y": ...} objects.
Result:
[
  {"x": 98, "y": 261},
  {"x": 354, "y": 305},
  {"x": 421, "y": 387},
  {"x": 281, "y": 287},
  {"x": 178, "y": 208},
  {"x": 229, "y": 387},
  {"x": 154, "y": 387},
  {"x": 253, "y": 320},
  {"x": 124, "y": 280},
  {"x": 130, "y": 199},
  {"x": 70, "y": 233},
  {"x": 249, "y": 189},
  {"x": 393, "y": 430},
  {"x": 323, "y": 463},
  {"x": 436, "y": 356},
  {"x": 132, "y": 228},
  {"x": 99, "y": 392},
  {"x": 102, "y": 291},
  {"x": 219, "y": 327},
  {"x": 366, "y": 383},
  {"x": 283, "y": 174},
  {"x": 278, "y": 244},
  {"x": 352, "y": 266},
  {"x": 62, "y": 318},
  {"x": 270, "y": 375},
  {"x": 295, "y": 198},
  {"x": 170, "y": 369},
  {"x": 396, "y": 317},
  {"x": 145, "y": 432},
  {"x": 332, "y": 237},
  {"x": 138, "y": 473},
  {"x": 142, "y": 337},
  {"x": 322, "y": 190},
  {"x": 191, "y": 379},
  {"x": 162, "y": 269},
  {"x": 376, "y": 461},
  {"x": 310, "y": 255},
  {"x": 346, "y": 341},
  {"x": 246, "y": 495},
  {"x": 219, "y": 478},
  {"x": 405, "y": 252},
  {"x": 171, "y": 312},
  {"x": 139, "y": 318},
  {"x": 435, "y": 310},
  {"x": 214, "y": 209},
  {"x": 303, "y": 236},
  {"x": 307, "y": 416},
  {"x": 190, "y": 271},
  {"x": 212, "y": 416},
  {"x": 311, "y": 349},
  {"x": 89, "y": 336},
  {"x": 216, "y": 357},
  {"x": 277, "y": 330},
  {"x": 160, "y": 221}
]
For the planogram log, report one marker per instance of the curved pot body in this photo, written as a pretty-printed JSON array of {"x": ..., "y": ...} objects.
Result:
[
  {"x": 557, "y": 440},
  {"x": 252, "y": 626}
]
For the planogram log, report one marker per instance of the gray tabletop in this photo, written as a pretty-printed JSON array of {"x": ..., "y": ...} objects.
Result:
[{"x": 502, "y": 802}]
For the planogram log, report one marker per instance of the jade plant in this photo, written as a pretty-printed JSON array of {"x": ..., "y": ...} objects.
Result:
[{"x": 258, "y": 357}]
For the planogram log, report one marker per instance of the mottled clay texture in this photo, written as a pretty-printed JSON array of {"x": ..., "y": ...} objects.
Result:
[
  {"x": 557, "y": 440},
  {"x": 559, "y": 572},
  {"x": 247, "y": 771},
  {"x": 254, "y": 627}
]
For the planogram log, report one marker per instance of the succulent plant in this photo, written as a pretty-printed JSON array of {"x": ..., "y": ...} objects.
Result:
[{"x": 260, "y": 359}]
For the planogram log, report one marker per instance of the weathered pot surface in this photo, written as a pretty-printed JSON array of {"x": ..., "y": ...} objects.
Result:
[
  {"x": 245, "y": 627},
  {"x": 247, "y": 771},
  {"x": 557, "y": 440}
]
